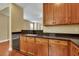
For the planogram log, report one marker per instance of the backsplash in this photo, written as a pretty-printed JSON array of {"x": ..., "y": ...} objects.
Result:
[{"x": 66, "y": 29}]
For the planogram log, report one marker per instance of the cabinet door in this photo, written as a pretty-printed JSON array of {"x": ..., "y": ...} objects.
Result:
[
  {"x": 48, "y": 14},
  {"x": 58, "y": 48},
  {"x": 73, "y": 9},
  {"x": 59, "y": 13},
  {"x": 73, "y": 13},
  {"x": 74, "y": 50},
  {"x": 23, "y": 42},
  {"x": 77, "y": 13},
  {"x": 30, "y": 45},
  {"x": 41, "y": 47},
  {"x": 67, "y": 13}
]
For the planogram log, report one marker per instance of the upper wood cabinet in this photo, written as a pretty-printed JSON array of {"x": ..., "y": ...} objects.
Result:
[
  {"x": 41, "y": 47},
  {"x": 77, "y": 13},
  {"x": 59, "y": 13},
  {"x": 74, "y": 49},
  {"x": 58, "y": 48},
  {"x": 64, "y": 13},
  {"x": 48, "y": 11}
]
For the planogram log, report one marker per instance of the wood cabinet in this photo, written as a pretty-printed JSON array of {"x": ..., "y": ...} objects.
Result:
[
  {"x": 47, "y": 47},
  {"x": 73, "y": 13},
  {"x": 27, "y": 45},
  {"x": 30, "y": 45},
  {"x": 23, "y": 44},
  {"x": 67, "y": 17},
  {"x": 58, "y": 48},
  {"x": 77, "y": 13},
  {"x": 57, "y": 14},
  {"x": 48, "y": 11},
  {"x": 74, "y": 49},
  {"x": 41, "y": 47}
]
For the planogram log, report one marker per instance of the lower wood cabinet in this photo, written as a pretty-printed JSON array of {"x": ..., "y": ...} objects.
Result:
[
  {"x": 47, "y": 47},
  {"x": 23, "y": 44},
  {"x": 74, "y": 50},
  {"x": 58, "y": 48},
  {"x": 41, "y": 47},
  {"x": 27, "y": 45},
  {"x": 30, "y": 45}
]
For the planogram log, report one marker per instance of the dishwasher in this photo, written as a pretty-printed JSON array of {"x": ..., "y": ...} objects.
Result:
[{"x": 16, "y": 41}]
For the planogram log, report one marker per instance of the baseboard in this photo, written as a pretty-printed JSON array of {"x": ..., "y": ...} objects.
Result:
[{"x": 1, "y": 41}]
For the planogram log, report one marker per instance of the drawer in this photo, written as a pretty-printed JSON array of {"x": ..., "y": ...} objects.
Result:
[
  {"x": 30, "y": 39},
  {"x": 41, "y": 40},
  {"x": 58, "y": 42}
]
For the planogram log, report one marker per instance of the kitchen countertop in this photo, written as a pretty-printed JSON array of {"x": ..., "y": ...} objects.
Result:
[{"x": 75, "y": 39}]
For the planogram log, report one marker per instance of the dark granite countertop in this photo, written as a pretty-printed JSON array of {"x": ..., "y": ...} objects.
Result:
[{"x": 73, "y": 39}]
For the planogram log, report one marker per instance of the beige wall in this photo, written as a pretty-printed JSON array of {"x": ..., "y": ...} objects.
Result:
[
  {"x": 18, "y": 23},
  {"x": 4, "y": 27},
  {"x": 72, "y": 29},
  {"x": 16, "y": 18},
  {"x": 26, "y": 25}
]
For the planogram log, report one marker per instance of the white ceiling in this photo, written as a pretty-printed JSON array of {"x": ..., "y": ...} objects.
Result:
[{"x": 32, "y": 11}]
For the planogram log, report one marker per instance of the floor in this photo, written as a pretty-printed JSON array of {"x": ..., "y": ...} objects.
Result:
[
  {"x": 15, "y": 53},
  {"x": 4, "y": 50}
]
